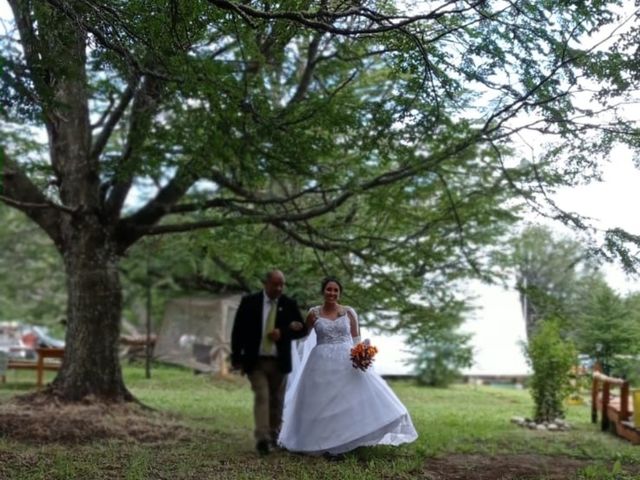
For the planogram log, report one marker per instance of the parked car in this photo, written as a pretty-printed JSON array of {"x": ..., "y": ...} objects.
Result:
[
  {"x": 20, "y": 341},
  {"x": 46, "y": 340},
  {"x": 10, "y": 340}
]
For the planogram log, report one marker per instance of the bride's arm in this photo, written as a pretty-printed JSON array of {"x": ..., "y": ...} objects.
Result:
[
  {"x": 353, "y": 321},
  {"x": 311, "y": 320}
]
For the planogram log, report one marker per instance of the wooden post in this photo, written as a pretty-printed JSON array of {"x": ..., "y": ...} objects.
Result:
[
  {"x": 624, "y": 401},
  {"x": 147, "y": 346},
  {"x": 605, "y": 406},
  {"x": 594, "y": 400},
  {"x": 40, "y": 368},
  {"x": 42, "y": 354}
]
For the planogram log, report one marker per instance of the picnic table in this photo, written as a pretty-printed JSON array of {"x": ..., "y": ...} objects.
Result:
[{"x": 39, "y": 365}]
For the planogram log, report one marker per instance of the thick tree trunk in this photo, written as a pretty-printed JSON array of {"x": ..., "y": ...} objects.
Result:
[{"x": 91, "y": 366}]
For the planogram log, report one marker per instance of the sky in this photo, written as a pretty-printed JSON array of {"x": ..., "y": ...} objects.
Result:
[{"x": 497, "y": 325}]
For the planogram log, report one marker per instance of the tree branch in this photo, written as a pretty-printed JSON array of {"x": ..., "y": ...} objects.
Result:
[
  {"x": 23, "y": 206},
  {"x": 19, "y": 192},
  {"x": 103, "y": 137},
  {"x": 307, "y": 74},
  {"x": 32, "y": 51},
  {"x": 16, "y": 80},
  {"x": 145, "y": 104},
  {"x": 234, "y": 273},
  {"x": 131, "y": 228},
  {"x": 315, "y": 21},
  {"x": 101, "y": 37},
  {"x": 461, "y": 236},
  {"x": 253, "y": 216}
]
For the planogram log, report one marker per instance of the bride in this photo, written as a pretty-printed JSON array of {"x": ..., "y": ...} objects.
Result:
[{"x": 331, "y": 407}]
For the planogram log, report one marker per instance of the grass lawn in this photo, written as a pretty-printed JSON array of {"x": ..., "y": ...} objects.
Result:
[{"x": 464, "y": 431}]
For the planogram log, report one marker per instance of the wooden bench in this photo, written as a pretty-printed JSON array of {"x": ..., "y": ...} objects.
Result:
[
  {"x": 616, "y": 412},
  {"x": 135, "y": 346},
  {"x": 39, "y": 365}
]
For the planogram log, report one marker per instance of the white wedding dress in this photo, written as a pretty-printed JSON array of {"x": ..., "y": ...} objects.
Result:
[{"x": 331, "y": 407}]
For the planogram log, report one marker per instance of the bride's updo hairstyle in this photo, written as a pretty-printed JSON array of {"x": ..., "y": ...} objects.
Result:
[{"x": 326, "y": 280}]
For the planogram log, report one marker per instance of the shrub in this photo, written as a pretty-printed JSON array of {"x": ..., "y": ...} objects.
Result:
[{"x": 551, "y": 359}]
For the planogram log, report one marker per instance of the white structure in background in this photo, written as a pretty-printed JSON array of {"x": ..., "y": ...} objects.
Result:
[
  {"x": 196, "y": 332},
  {"x": 497, "y": 329}
]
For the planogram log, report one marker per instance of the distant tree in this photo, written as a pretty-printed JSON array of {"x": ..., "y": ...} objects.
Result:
[
  {"x": 551, "y": 275},
  {"x": 32, "y": 281},
  {"x": 440, "y": 350},
  {"x": 607, "y": 329},
  {"x": 558, "y": 278}
]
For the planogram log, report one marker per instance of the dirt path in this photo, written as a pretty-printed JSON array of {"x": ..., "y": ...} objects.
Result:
[
  {"x": 503, "y": 467},
  {"x": 44, "y": 420}
]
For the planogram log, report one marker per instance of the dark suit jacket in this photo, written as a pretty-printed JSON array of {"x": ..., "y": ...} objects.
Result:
[{"x": 246, "y": 335}]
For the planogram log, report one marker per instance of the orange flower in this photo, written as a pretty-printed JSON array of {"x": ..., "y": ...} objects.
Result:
[{"x": 362, "y": 355}]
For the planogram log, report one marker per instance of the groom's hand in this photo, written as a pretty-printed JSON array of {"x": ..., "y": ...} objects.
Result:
[
  {"x": 237, "y": 367},
  {"x": 274, "y": 335},
  {"x": 296, "y": 326}
]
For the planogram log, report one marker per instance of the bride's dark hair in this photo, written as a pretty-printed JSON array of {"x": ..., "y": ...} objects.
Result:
[{"x": 326, "y": 280}]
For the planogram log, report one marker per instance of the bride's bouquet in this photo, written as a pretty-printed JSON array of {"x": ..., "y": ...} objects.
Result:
[{"x": 362, "y": 355}]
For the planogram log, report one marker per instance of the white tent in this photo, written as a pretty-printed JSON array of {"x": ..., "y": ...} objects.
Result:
[{"x": 196, "y": 332}]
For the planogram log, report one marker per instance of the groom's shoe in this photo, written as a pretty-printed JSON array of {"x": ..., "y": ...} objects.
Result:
[
  {"x": 263, "y": 447},
  {"x": 334, "y": 457}
]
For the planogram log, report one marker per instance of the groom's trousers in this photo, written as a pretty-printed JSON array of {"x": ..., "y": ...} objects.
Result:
[{"x": 268, "y": 385}]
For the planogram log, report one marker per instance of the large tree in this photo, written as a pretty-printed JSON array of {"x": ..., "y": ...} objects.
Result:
[{"x": 348, "y": 127}]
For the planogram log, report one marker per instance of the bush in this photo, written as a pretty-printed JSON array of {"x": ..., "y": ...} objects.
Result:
[{"x": 551, "y": 359}]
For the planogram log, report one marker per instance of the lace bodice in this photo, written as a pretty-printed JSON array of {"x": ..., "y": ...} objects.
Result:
[{"x": 333, "y": 331}]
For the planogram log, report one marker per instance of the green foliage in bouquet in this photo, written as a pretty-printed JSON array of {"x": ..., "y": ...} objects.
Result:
[{"x": 551, "y": 359}]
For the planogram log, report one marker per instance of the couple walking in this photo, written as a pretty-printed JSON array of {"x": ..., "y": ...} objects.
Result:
[{"x": 327, "y": 406}]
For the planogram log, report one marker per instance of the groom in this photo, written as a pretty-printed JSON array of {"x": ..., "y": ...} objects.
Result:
[{"x": 264, "y": 326}]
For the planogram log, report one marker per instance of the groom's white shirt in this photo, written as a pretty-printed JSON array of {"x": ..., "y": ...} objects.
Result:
[{"x": 266, "y": 306}]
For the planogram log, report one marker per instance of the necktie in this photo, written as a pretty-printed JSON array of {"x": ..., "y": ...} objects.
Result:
[{"x": 267, "y": 343}]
